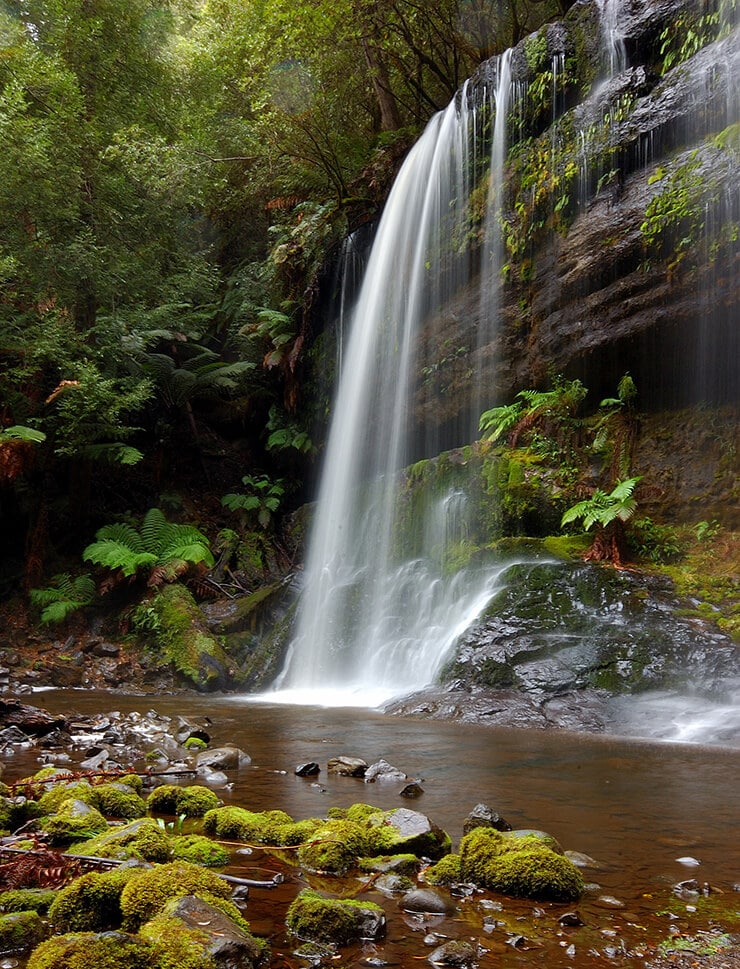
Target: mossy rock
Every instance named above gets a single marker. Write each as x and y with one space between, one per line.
74 821
313 918
409 832
199 850
298 832
55 795
445 872
117 800
535 873
16 811
92 902
263 827
145 895
20 930
355 812
191 933
185 644
142 839
534 837
89 950
193 801
27 900
338 845
524 867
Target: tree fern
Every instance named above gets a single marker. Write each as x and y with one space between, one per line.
161 547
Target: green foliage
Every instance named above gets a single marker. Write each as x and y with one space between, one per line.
261 500
653 542
20 433
692 30
162 549
66 595
614 428
548 409
602 508
707 531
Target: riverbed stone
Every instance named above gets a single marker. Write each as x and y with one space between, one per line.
413 833
313 918
483 816
382 771
426 901
222 758
347 766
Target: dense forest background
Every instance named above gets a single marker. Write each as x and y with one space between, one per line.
175 177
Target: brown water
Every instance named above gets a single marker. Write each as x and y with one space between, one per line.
635 807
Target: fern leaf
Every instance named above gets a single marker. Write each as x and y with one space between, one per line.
116 555
123 534
20 432
192 553
58 611
153 530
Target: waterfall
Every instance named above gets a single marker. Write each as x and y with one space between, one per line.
375 621
611 14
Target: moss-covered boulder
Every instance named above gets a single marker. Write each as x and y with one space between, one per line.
193 801
74 821
185 642
313 918
16 811
27 900
89 950
410 832
195 934
142 839
91 903
147 893
199 850
20 930
263 827
524 867
337 846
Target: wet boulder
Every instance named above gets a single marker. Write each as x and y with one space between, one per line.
426 901
313 918
384 772
411 832
222 758
191 924
347 766
483 816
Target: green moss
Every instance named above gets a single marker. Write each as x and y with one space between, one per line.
20 930
69 825
567 546
524 867
476 850
15 813
111 950
118 801
91 903
297 832
261 827
445 872
338 845
27 900
535 873
314 918
54 796
200 851
184 644
175 946
146 894
142 839
195 743
193 801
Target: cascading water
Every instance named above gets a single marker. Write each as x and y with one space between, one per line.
373 621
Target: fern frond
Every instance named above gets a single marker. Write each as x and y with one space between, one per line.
116 555
122 533
114 453
193 553
19 432
153 530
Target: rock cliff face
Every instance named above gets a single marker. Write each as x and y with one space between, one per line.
620 217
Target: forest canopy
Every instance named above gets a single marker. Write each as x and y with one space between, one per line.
173 178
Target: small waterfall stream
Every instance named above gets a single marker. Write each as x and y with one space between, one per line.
374 623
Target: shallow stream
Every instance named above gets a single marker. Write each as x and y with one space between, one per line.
633 806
